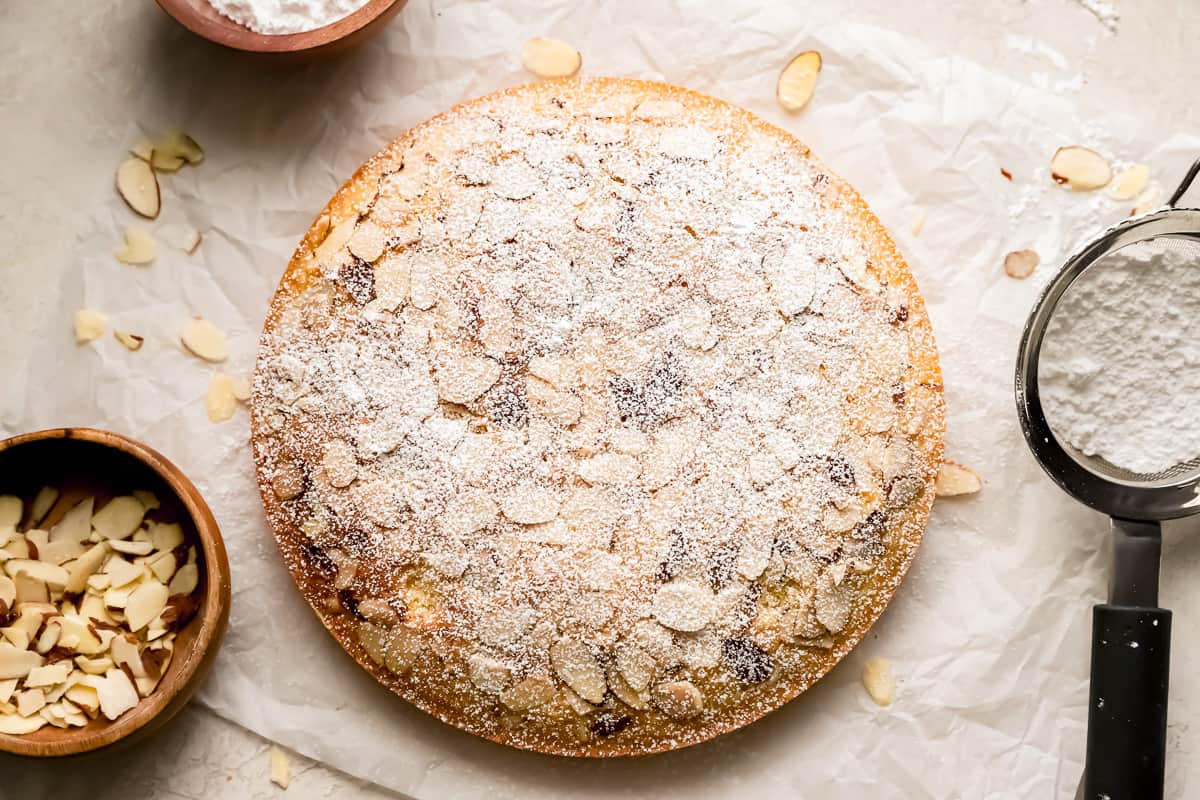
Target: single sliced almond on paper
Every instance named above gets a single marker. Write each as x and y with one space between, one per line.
281 768
880 681
205 340
241 389
221 401
138 187
918 223
139 248
130 341
954 479
182 237
1080 168
1131 182
164 161
550 58
89 325
797 81
1021 263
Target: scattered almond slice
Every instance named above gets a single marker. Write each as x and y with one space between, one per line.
954 479
164 161
1150 200
182 237
130 341
918 223
798 80
550 58
205 340
143 149
177 145
1021 263
1080 168
281 769
138 187
241 389
139 248
89 325
1131 182
222 400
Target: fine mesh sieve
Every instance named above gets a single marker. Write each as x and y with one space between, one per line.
1131 635
1184 249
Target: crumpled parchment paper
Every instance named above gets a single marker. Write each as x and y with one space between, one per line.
989 635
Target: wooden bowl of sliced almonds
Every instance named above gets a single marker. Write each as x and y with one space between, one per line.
114 591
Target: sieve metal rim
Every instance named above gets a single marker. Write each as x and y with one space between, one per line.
1164 499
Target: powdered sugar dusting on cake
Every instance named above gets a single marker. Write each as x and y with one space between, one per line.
603 407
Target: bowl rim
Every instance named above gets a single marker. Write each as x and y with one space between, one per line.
242 38
166 701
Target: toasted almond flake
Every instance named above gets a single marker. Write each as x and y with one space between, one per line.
679 700
139 248
138 187
1080 168
1131 182
879 680
530 504
130 341
205 340
576 666
41 506
185 580
532 692
146 602
1020 263
221 402
116 693
341 466
798 80
954 479
119 517
683 605
550 58
89 325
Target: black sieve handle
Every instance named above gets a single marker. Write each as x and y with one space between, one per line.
1127 715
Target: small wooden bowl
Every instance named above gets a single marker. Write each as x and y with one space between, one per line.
201 18
84 461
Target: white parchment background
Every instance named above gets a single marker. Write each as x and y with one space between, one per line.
989 634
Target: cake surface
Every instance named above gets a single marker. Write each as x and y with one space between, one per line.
596 417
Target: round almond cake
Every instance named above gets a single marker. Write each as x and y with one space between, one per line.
596 417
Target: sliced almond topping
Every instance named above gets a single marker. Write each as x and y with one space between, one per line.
679 700
550 58
1080 168
130 341
577 667
609 469
281 768
462 380
530 504
879 681
139 248
683 605
341 466
488 674
138 187
220 403
532 692
954 479
1021 263
146 602
798 80
17 662
1130 182
205 340
89 325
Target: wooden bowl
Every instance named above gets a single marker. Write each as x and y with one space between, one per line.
82 461
201 18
